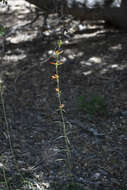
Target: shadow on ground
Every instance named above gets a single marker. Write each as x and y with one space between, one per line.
94 66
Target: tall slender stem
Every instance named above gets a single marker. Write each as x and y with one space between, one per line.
68 152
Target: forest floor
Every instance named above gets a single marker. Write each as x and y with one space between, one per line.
93 82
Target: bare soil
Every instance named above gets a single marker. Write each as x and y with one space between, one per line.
95 65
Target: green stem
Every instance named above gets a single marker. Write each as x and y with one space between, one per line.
68 153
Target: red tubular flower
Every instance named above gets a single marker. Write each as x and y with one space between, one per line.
57 90
60 63
61 106
53 63
58 52
55 76
56 63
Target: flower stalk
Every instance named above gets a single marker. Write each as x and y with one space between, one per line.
61 106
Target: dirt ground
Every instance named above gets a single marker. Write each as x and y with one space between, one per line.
94 71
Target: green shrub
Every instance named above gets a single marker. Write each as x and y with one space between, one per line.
94 104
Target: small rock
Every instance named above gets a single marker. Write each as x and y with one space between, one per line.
123 113
96 176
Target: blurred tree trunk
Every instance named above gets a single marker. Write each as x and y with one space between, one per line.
113 11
